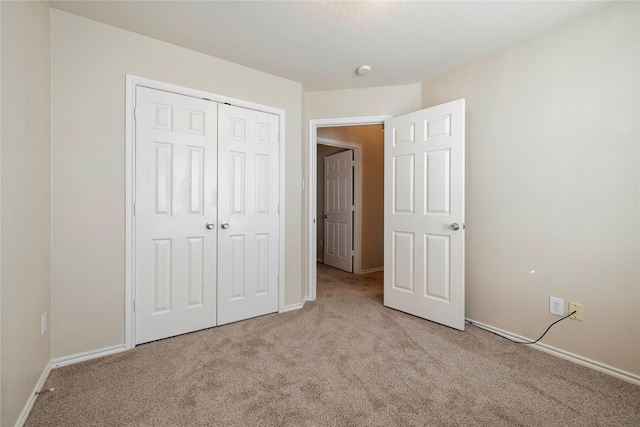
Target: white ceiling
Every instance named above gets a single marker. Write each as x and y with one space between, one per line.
321 43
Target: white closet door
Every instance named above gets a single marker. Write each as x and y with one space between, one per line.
175 198
248 239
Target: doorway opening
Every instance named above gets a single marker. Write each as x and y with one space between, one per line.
368 223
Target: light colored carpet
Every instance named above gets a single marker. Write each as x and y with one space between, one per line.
343 360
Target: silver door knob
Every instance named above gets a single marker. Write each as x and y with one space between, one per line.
455 226
210 226
224 225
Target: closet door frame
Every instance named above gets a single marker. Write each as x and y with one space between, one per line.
131 83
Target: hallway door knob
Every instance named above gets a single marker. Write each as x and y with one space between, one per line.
224 225
455 226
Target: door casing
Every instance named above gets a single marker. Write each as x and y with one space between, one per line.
132 82
312 178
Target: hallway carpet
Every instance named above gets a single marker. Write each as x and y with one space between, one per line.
343 360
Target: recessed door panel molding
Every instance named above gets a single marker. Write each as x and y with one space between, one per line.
238 263
425 276
438 127
403 257
262 266
162 257
262 184
438 263
403 177
331 202
437 186
195 176
331 239
163 117
163 178
237 182
237 129
343 239
262 133
404 134
338 218
195 122
344 200
175 189
195 271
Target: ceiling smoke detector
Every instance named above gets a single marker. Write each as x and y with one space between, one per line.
363 70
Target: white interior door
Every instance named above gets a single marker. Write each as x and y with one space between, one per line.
175 197
338 206
424 213
248 210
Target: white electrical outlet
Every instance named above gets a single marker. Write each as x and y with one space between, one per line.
43 323
556 306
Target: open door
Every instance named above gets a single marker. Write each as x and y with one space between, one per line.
338 207
424 213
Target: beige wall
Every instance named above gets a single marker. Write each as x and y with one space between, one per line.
26 208
552 184
371 139
372 101
89 63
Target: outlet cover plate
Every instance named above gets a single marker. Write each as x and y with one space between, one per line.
556 306
574 306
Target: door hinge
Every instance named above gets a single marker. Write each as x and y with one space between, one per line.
134 209
134 305
353 208
135 113
278 208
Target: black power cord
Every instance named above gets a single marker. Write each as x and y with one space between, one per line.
523 342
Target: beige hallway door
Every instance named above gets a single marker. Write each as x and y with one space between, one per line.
338 206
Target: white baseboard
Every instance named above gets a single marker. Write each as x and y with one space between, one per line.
293 307
600 367
57 363
371 270
82 357
32 400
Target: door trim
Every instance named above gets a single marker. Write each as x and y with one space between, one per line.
312 175
132 82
